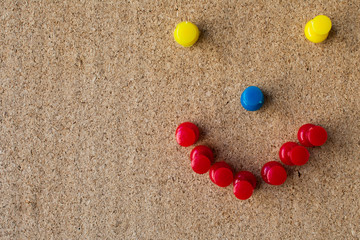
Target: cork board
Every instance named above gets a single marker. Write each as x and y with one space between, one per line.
92 92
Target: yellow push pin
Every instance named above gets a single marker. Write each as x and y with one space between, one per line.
186 34
317 29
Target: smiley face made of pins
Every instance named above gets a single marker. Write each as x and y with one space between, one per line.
252 99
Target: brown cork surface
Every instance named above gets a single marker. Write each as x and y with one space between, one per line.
91 94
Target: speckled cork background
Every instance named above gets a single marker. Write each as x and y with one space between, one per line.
91 94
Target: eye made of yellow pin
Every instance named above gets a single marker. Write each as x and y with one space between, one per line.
186 34
317 29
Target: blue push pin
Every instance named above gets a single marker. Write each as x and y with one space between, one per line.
252 98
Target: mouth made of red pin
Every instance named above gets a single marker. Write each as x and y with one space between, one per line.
244 182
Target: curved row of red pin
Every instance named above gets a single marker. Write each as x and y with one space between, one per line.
244 182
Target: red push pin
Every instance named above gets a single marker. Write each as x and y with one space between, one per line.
292 153
244 185
187 134
273 173
201 158
221 174
310 135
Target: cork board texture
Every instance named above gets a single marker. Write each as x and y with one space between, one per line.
92 92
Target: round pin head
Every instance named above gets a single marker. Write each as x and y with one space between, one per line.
201 164
299 155
187 134
223 177
244 184
317 135
185 137
276 175
221 174
243 190
273 173
252 98
186 34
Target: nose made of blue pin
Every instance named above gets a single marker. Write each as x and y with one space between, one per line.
252 98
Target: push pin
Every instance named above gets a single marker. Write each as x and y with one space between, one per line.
186 34
221 174
201 158
244 185
317 29
252 98
310 135
292 153
273 173
187 134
